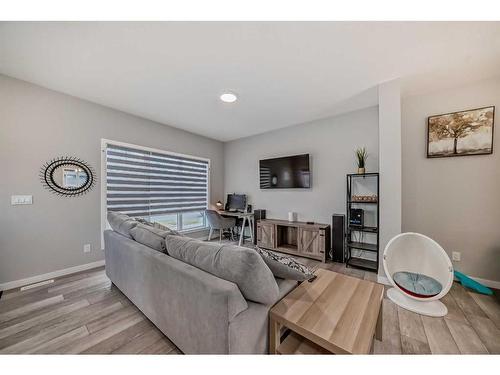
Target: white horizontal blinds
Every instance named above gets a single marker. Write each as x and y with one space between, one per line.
146 183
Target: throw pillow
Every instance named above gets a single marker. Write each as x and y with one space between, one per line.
285 267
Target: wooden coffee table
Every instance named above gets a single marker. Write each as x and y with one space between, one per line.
335 313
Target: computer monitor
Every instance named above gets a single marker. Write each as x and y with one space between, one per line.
236 202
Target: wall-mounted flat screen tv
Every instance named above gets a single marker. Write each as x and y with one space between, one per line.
290 172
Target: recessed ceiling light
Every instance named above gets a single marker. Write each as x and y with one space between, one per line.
228 97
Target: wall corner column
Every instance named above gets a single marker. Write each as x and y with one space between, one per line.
389 118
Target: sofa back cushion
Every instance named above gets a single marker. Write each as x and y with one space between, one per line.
150 236
121 223
240 265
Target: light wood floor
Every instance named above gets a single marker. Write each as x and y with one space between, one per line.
85 313
472 325
81 313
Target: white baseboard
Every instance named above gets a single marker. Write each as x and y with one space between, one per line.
383 280
35 279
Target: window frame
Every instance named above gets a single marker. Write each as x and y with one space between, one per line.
104 221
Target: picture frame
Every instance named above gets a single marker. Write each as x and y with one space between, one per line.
462 133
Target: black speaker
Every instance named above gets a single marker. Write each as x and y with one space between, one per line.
258 215
337 253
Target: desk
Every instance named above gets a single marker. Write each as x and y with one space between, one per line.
246 216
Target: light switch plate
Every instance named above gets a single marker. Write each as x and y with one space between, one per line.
21 199
86 248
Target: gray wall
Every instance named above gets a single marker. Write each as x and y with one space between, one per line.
456 201
331 143
38 124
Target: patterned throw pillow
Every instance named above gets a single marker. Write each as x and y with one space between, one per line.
285 267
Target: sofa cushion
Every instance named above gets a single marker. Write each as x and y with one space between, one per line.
121 223
157 225
141 220
164 227
285 267
150 236
240 265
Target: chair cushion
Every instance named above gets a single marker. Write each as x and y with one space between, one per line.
237 264
417 284
285 267
121 223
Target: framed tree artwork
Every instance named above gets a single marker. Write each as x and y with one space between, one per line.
461 133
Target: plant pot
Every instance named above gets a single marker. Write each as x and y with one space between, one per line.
361 170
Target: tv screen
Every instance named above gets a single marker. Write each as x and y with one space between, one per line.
291 172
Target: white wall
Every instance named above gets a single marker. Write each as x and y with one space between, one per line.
389 123
331 144
454 200
39 124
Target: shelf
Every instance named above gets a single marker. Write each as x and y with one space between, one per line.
363 229
287 247
363 246
296 344
372 174
355 233
366 264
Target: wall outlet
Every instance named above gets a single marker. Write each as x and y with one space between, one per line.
21 199
86 248
455 256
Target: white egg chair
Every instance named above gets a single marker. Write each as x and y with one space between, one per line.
420 272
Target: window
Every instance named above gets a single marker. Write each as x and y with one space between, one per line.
159 186
73 178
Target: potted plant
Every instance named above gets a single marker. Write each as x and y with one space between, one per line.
361 156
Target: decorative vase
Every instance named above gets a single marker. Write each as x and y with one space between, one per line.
361 170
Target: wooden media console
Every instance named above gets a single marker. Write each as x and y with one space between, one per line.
294 238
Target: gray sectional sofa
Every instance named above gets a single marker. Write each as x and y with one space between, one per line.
205 297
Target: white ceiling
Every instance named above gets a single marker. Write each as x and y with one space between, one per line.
285 73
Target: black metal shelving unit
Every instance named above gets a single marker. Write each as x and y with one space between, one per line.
354 231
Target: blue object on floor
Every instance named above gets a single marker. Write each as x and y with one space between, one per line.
472 284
